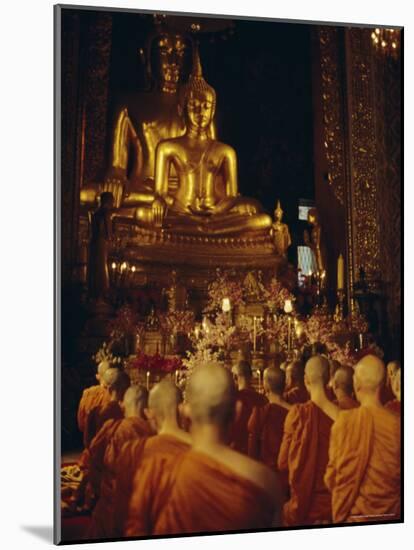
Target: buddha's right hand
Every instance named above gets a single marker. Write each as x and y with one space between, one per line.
158 210
115 186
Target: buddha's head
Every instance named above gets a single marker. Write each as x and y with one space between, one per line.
278 212
198 99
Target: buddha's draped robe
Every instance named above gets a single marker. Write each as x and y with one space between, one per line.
104 450
207 496
297 394
346 402
304 454
246 400
141 503
394 406
363 473
95 396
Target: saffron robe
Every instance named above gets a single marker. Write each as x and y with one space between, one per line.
247 399
206 496
363 473
97 418
346 403
95 396
104 451
304 454
394 406
143 501
297 394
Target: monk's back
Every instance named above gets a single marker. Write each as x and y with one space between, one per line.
209 496
247 400
380 489
267 422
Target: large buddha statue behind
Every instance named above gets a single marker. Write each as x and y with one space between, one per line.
207 200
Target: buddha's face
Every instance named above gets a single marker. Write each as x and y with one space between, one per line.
171 49
200 108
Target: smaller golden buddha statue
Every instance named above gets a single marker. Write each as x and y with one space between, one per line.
280 232
152 322
314 241
100 237
207 200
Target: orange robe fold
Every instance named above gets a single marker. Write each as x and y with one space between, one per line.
394 406
95 396
104 450
363 473
97 418
247 400
304 454
206 496
295 395
346 403
141 502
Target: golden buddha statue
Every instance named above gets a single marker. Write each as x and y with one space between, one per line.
140 121
207 200
314 241
280 232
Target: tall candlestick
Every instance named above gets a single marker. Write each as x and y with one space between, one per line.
340 272
289 331
148 379
176 377
254 333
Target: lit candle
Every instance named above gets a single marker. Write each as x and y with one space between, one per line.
148 379
113 265
197 332
254 333
288 307
289 331
341 268
226 305
361 340
259 376
176 377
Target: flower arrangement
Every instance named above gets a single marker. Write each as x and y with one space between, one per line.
319 328
224 287
177 322
358 322
124 323
277 294
155 363
104 353
277 330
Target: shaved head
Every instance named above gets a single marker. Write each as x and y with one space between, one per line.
116 380
334 365
164 399
369 374
344 380
211 395
396 384
393 367
135 400
102 368
243 369
317 371
274 380
295 373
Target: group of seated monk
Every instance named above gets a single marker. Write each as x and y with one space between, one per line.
317 447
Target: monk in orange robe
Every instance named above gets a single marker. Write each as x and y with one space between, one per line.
104 450
116 382
142 482
334 365
387 393
266 423
304 450
343 387
296 391
94 396
395 405
213 488
363 473
247 399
